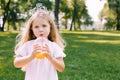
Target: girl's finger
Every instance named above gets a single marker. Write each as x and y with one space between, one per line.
46 52
46 46
46 49
35 45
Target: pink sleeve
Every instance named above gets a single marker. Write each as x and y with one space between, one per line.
22 51
58 52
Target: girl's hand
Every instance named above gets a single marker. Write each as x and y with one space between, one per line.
36 48
46 50
40 52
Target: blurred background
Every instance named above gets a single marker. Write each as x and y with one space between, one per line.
69 14
91 29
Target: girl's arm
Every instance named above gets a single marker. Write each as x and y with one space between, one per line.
58 63
20 61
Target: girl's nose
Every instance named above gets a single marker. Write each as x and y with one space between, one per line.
40 29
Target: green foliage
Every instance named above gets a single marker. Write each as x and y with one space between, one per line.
111 24
18 12
75 10
80 14
15 12
106 11
112 11
90 56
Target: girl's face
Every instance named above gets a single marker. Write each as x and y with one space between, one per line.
41 27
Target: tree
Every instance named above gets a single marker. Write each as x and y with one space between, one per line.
13 11
115 6
79 11
112 11
65 8
5 12
56 12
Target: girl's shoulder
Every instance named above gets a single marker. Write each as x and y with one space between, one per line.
55 45
29 42
52 43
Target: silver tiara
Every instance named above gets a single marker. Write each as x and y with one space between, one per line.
39 7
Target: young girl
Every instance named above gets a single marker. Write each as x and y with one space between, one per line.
40 25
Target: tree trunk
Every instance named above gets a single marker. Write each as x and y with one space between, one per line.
14 26
66 23
73 16
117 18
5 15
4 20
71 24
117 23
56 12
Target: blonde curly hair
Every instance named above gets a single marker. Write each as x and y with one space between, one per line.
27 34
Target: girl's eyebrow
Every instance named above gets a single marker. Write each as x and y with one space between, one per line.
43 24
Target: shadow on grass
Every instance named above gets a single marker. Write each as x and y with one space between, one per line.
90 56
8 71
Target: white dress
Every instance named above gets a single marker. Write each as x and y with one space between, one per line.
40 69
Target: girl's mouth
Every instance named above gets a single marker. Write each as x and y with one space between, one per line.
41 35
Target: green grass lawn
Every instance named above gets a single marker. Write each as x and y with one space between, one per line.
90 56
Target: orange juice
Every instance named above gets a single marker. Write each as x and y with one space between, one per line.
40 42
40 55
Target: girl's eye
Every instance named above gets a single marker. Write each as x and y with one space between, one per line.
44 25
36 26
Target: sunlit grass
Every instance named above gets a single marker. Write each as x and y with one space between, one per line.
91 55
104 33
100 41
101 33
